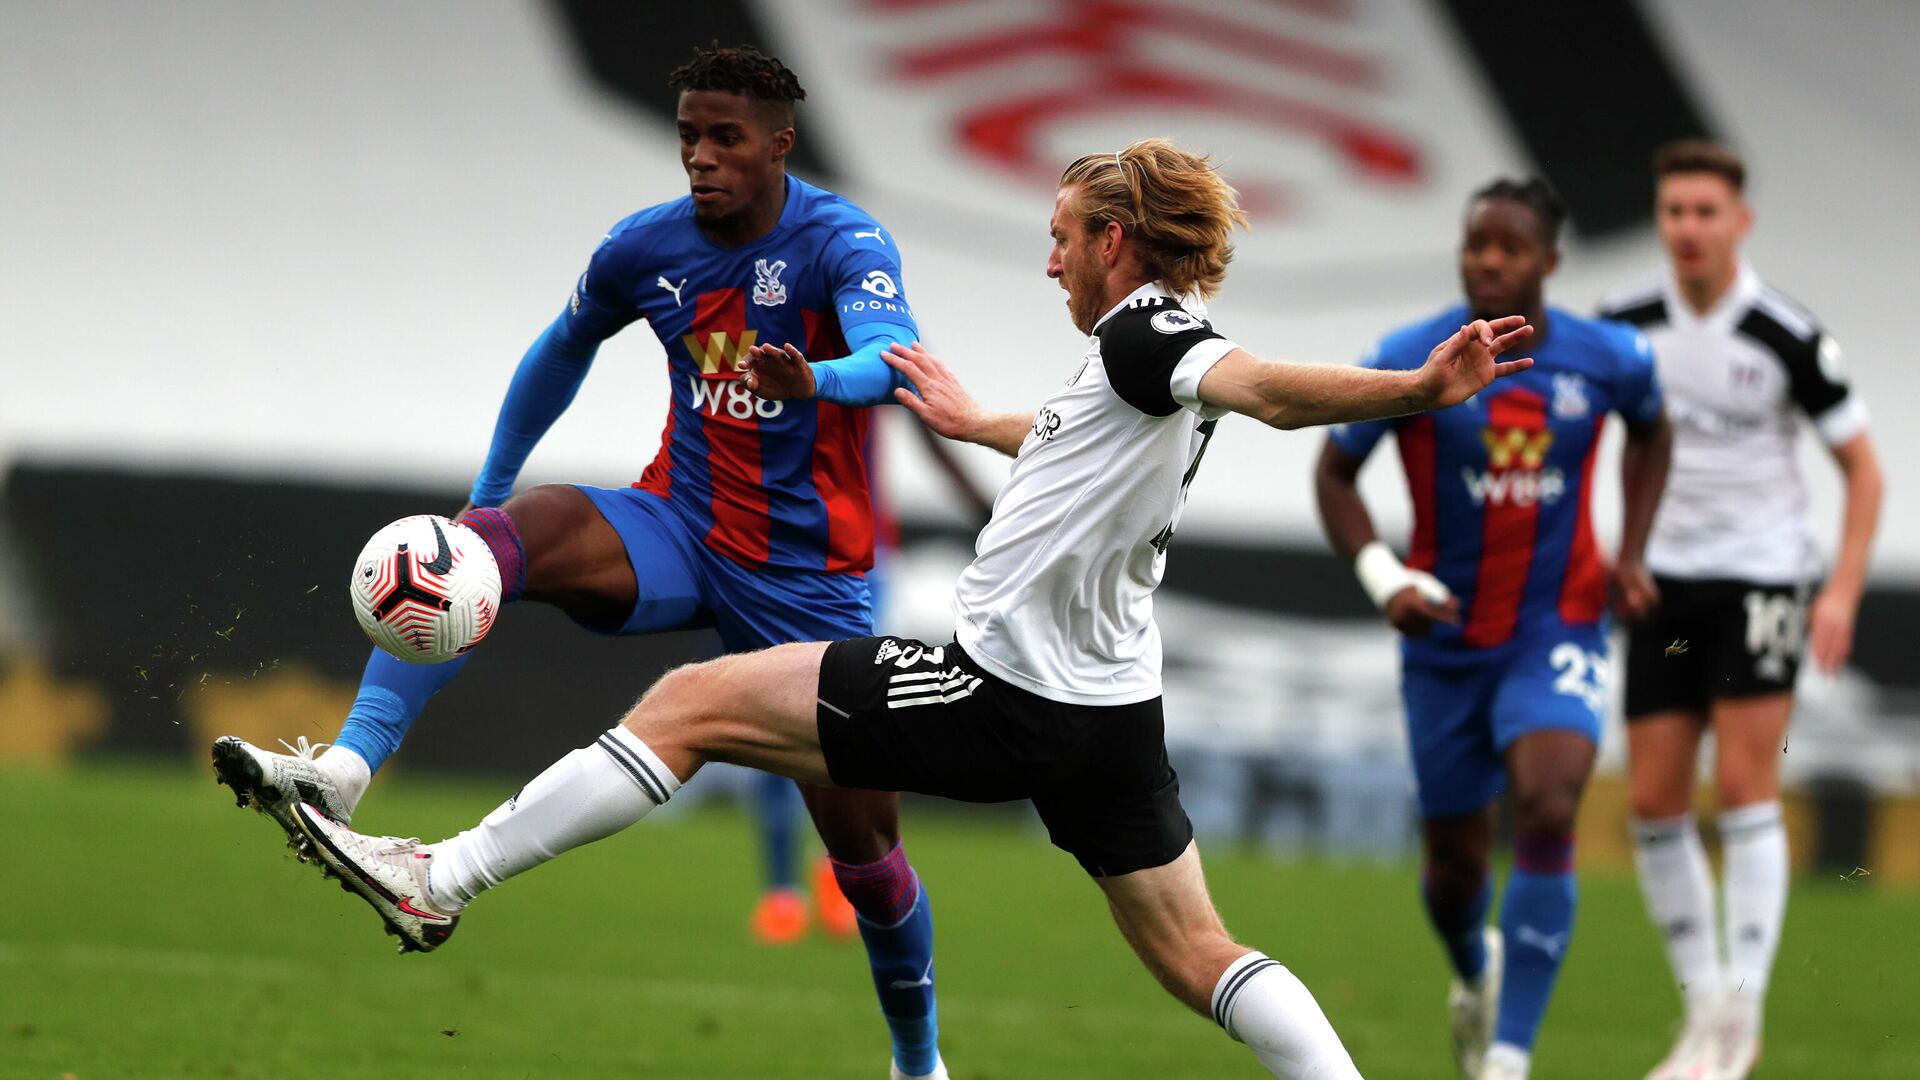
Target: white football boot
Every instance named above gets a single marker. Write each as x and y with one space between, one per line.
1736 1038
1506 1063
1692 1056
939 1072
275 783
1473 1007
388 872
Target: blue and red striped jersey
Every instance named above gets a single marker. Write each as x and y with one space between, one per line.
1501 483
765 483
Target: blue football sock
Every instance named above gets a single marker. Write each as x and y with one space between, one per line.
1460 925
1536 916
902 959
392 693
776 803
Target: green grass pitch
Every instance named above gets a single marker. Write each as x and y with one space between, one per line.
149 928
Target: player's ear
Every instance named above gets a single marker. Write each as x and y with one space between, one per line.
1552 262
1110 238
782 143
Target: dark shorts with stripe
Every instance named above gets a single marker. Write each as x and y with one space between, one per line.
1712 639
900 715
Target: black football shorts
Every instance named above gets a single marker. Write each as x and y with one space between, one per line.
900 715
1713 639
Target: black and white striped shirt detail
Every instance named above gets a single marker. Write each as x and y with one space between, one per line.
1230 987
641 773
909 688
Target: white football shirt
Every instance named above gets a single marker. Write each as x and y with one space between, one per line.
1059 597
1738 379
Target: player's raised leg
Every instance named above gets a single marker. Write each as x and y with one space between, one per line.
1167 917
551 545
755 709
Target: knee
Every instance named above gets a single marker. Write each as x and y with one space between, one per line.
1546 811
680 702
1455 863
1653 802
1740 783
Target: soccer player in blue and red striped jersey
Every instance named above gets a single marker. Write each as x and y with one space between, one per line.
754 518
1502 605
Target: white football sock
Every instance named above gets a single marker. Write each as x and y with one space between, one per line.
1677 883
1262 1004
591 793
349 772
1755 842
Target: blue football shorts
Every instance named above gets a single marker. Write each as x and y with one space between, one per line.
1462 717
683 584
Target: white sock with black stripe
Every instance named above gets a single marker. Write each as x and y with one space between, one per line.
591 793
1259 1002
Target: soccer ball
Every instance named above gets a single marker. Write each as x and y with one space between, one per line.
425 589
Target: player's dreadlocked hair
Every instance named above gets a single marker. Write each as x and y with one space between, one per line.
1535 194
1177 209
739 69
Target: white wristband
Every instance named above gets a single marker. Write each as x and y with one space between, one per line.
1382 575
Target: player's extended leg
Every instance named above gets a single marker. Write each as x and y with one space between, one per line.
1748 734
1167 917
1547 770
551 545
755 709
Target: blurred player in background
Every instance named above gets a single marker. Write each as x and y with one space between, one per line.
1734 559
1051 688
755 518
1502 607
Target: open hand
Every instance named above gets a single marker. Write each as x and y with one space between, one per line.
1464 364
942 403
1830 630
777 373
1634 592
1414 614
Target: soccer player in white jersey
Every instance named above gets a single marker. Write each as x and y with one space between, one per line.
1734 558
1051 689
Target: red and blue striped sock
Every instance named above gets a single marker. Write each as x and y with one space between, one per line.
897 927
1536 917
503 539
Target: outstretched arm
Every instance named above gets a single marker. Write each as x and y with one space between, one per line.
941 403
860 378
544 385
1291 396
